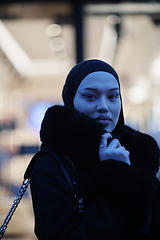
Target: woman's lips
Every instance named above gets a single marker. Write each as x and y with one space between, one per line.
103 120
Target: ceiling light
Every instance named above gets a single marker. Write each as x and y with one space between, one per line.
53 30
13 51
113 19
123 8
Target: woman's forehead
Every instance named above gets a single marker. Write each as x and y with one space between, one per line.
99 79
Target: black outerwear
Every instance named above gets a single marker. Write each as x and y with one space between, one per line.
118 198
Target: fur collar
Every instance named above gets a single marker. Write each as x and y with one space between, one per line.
72 133
78 136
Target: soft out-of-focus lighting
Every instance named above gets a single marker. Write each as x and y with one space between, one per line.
139 93
156 113
26 66
57 44
108 43
60 55
128 8
36 114
13 51
155 70
53 30
113 19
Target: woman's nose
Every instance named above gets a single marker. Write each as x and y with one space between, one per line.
102 105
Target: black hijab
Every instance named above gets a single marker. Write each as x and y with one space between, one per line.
76 76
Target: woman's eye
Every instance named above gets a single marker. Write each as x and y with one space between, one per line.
89 97
113 97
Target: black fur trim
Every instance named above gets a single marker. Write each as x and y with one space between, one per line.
72 133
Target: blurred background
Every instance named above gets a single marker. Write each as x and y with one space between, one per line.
39 43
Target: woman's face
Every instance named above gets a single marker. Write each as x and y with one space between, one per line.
98 96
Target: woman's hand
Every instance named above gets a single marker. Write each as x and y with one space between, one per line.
113 151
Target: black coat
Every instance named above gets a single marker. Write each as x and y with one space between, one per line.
119 199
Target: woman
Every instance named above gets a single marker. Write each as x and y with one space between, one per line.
114 166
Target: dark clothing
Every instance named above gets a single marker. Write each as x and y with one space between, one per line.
119 199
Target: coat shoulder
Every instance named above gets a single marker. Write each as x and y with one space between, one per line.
143 149
143 138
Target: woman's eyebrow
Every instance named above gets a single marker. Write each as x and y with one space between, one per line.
113 89
91 89
96 90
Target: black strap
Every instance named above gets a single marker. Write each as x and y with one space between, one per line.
66 167
68 171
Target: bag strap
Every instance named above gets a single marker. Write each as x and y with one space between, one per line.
16 201
73 181
68 171
71 176
65 165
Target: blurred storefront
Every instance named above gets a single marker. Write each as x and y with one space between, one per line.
39 43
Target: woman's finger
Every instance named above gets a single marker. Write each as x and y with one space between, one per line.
114 144
103 142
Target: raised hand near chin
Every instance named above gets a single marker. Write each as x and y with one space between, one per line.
112 151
